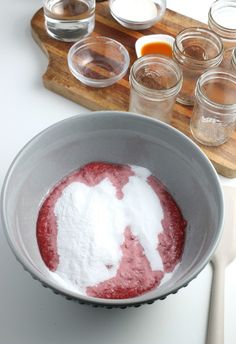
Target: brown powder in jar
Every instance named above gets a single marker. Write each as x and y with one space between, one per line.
196 52
150 78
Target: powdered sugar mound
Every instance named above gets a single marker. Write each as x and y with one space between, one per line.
134 10
144 214
140 171
91 222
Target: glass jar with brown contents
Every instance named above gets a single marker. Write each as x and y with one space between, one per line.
155 81
195 50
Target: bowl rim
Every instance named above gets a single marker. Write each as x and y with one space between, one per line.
122 303
101 40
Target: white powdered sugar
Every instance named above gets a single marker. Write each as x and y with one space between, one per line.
226 17
91 222
134 10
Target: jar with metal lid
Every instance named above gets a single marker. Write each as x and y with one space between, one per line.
195 50
214 113
155 81
222 20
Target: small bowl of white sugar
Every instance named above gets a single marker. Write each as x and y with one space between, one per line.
137 14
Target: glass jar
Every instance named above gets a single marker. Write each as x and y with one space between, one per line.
233 61
195 50
214 114
222 20
227 59
69 20
155 81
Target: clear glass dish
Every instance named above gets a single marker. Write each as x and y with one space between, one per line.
122 14
98 61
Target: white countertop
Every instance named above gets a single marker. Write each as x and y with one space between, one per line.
32 314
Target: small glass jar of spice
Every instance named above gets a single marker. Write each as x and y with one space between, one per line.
155 81
195 50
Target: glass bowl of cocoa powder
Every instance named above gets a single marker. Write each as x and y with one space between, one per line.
98 61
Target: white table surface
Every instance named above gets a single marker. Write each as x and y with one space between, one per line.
32 314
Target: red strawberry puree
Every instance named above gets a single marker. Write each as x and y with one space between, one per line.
134 276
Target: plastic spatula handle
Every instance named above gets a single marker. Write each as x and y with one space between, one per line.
224 254
215 333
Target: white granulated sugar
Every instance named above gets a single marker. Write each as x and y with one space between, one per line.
226 17
134 10
91 222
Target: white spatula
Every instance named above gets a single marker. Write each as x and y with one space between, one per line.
224 255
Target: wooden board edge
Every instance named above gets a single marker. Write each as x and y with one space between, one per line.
224 171
35 34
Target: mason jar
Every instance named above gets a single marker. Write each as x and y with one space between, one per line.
233 61
227 62
214 113
155 81
222 20
195 50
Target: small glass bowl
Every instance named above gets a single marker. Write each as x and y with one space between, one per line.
98 61
141 24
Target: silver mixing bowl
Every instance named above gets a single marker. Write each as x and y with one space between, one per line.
121 138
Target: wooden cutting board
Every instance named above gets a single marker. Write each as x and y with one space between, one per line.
57 78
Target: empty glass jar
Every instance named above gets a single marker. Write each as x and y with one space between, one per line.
195 50
214 114
155 81
222 20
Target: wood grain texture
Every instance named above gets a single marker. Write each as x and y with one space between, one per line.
58 78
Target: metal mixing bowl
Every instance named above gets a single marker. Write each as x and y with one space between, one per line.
121 138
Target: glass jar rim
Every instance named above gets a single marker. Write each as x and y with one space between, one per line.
221 28
164 93
234 57
205 77
190 60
